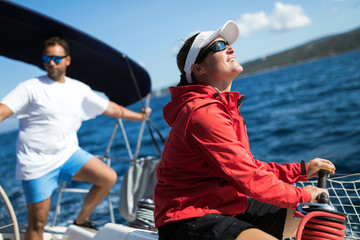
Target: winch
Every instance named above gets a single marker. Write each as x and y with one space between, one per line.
321 220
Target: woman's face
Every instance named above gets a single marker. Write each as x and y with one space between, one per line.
221 65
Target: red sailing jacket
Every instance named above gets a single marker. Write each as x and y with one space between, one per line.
207 166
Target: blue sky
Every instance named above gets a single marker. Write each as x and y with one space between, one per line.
150 32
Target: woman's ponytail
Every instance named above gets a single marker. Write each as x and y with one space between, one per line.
183 80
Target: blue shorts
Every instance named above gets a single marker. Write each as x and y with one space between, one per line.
40 189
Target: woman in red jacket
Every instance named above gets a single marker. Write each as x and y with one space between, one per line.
209 184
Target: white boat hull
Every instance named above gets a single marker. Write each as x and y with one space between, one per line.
109 231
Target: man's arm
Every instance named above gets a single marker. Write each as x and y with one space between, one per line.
118 111
5 112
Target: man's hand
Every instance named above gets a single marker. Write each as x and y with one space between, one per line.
146 112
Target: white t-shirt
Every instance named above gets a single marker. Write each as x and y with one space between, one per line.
50 115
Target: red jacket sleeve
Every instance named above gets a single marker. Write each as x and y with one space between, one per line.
287 172
211 130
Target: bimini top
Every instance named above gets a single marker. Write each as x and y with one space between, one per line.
93 62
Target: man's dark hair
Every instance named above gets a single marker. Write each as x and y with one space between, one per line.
57 40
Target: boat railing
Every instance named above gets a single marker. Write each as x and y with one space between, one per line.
14 223
107 159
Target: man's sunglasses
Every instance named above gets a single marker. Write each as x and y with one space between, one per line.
56 59
215 47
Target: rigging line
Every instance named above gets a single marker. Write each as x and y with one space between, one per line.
149 122
157 130
134 80
154 141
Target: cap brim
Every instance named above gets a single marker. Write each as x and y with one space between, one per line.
229 32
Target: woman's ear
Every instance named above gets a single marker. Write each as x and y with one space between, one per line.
197 69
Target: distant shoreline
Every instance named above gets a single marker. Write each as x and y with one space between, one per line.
316 49
274 68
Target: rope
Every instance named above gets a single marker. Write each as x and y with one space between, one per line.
148 120
144 216
320 225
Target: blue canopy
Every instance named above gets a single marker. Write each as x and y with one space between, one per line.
93 62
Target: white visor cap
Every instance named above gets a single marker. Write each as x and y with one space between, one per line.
229 32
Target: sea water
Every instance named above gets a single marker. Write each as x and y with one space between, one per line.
294 113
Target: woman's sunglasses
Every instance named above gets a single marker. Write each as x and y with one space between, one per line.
56 59
215 47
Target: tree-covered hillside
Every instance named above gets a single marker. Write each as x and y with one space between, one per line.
323 47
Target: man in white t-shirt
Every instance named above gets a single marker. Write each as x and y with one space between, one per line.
50 110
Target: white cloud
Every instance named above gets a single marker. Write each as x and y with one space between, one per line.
287 17
251 22
175 49
142 64
284 17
